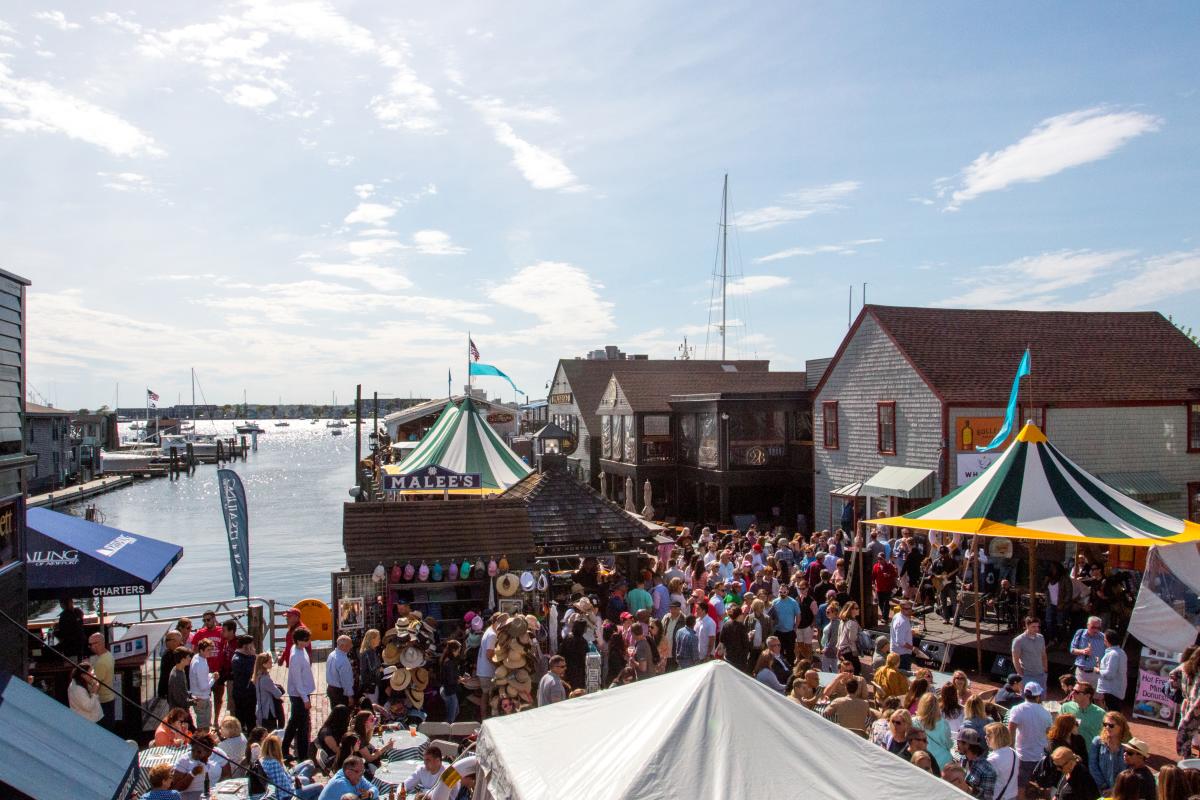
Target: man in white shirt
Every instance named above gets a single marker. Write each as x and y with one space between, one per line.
900 637
1028 724
706 632
485 670
339 674
426 776
300 687
200 683
191 768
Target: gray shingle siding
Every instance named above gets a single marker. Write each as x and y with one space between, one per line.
872 370
1128 439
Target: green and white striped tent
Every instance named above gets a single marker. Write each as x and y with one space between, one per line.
462 441
1033 491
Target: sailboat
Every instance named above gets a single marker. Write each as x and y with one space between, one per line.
338 423
202 444
283 423
249 426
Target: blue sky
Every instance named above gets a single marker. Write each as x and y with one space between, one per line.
297 197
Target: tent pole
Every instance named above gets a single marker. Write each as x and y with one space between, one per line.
978 599
1033 578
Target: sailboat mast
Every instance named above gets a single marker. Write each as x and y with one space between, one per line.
193 397
724 255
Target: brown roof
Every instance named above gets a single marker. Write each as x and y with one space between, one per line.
970 356
652 391
589 377
569 518
33 409
435 530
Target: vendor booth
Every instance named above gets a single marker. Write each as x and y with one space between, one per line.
70 557
676 735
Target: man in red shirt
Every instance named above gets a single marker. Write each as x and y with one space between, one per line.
293 621
225 647
210 630
884 578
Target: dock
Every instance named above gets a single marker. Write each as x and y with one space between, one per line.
73 494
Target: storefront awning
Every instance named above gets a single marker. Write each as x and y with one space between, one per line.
849 490
50 751
67 556
1148 486
909 483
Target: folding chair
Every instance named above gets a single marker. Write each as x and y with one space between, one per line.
461 730
449 749
432 729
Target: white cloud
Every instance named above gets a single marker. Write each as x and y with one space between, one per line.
798 205
57 19
564 298
385 279
1048 280
370 214
37 106
115 20
409 104
843 249
364 190
436 243
752 284
367 248
1055 144
541 168
340 160
1149 281
126 181
249 96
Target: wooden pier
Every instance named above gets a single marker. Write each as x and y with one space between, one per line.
73 494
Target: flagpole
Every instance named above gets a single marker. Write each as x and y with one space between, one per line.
468 363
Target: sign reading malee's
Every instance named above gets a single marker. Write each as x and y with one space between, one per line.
432 479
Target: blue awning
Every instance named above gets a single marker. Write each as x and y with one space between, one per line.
67 556
50 748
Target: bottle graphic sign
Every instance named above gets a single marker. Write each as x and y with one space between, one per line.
968 435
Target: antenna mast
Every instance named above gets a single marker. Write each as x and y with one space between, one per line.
724 255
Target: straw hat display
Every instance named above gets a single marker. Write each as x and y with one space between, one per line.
507 584
515 667
407 649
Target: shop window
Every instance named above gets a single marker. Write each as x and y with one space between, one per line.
1193 428
829 418
801 427
689 440
757 439
709 450
606 436
630 438
656 440
618 438
885 427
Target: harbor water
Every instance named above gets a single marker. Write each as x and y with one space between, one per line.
295 486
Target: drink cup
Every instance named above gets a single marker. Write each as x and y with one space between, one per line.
412 730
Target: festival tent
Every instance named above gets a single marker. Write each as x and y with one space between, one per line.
462 441
1167 613
708 731
1033 491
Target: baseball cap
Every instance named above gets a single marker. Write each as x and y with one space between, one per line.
291 611
968 736
626 615
1034 689
676 604
1012 678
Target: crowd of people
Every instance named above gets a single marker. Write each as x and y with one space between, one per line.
783 609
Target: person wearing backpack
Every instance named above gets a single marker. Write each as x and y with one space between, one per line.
804 624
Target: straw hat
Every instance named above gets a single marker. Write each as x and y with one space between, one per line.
515 659
507 584
412 657
391 653
417 698
521 680
584 606
420 679
527 581
501 672
517 626
400 680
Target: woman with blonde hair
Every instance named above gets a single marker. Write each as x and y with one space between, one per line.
847 641
975 716
1106 759
829 638
1002 758
937 731
370 665
889 677
962 685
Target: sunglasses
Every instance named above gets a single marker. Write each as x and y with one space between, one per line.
1110 724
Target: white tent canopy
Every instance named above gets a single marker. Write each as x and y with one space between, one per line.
709 731
1168 603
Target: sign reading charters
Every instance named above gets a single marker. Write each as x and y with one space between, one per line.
432 479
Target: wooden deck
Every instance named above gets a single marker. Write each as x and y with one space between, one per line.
73 494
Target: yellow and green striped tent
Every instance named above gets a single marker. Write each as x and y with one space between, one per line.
1033 491
461 440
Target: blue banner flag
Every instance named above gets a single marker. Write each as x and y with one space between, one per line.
488 369
1010 416
237 525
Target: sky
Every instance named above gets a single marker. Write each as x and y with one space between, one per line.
297 197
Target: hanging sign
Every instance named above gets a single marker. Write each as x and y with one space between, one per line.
972 431
972 465
432 479
1152 698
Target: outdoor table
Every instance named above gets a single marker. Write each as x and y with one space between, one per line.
152 756
408 747
239 789
394 773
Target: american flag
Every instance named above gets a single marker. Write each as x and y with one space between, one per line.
150 395
474 350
